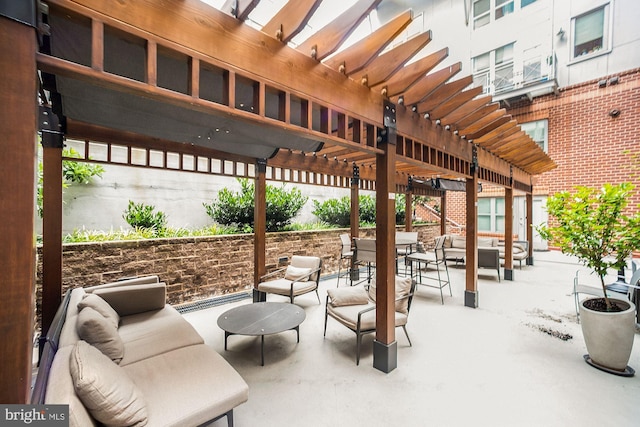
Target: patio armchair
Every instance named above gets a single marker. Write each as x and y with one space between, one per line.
355 308
301 276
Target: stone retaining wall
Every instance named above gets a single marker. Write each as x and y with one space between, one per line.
196 268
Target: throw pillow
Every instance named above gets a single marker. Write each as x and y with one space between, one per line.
105 389
98 331
355 295
101 306
403 287
297 273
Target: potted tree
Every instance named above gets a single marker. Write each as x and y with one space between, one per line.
591 224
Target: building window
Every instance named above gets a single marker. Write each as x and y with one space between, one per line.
524 3
538 131
481 14
494 70
503 7
491 214
590 32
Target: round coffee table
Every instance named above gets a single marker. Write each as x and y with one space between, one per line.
260 319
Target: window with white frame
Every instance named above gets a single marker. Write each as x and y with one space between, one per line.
485 11
481 13
494 70
538 131
591 32
503 7
491 214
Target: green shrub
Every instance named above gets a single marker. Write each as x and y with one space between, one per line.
72 173
236 209
141 216
338 211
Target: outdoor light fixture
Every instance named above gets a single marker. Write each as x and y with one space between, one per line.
426 116
602 83
614 113
401 100
438 122
447 127
414 108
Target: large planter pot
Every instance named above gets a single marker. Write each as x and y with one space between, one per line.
609 337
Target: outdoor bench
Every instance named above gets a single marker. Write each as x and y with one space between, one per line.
141 363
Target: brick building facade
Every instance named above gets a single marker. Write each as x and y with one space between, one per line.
593 136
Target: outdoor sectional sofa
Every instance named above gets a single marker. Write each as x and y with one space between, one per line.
118 355
455 248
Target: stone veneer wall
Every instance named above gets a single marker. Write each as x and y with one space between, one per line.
196 268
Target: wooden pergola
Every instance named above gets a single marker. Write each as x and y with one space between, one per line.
181 77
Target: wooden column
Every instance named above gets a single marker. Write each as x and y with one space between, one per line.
408 208
385 351
355 203
17 244
529 225
508 233
51 226
471 281
443 213
354 219
260 228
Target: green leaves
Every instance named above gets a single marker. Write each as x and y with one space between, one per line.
236 209
591 224
141 216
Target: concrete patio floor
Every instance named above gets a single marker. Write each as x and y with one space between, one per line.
490 366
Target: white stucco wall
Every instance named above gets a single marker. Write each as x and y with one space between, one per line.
100 205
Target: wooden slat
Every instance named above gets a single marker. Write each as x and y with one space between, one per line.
384 66
409 74
329 38
503 132
423 87
483 121
290 19
358 55
466 109
496 132
474 116
454 102
239 9
489 127
442 93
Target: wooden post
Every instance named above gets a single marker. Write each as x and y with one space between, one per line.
529 225
385 351
260 228
51 226
508 233
443 213
17 244
354 219
471 281
408 208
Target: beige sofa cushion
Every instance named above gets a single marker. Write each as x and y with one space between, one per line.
105 389
133 299
101 306
60 390
188 386
155 332
353 295
459 242
487 242
98 331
